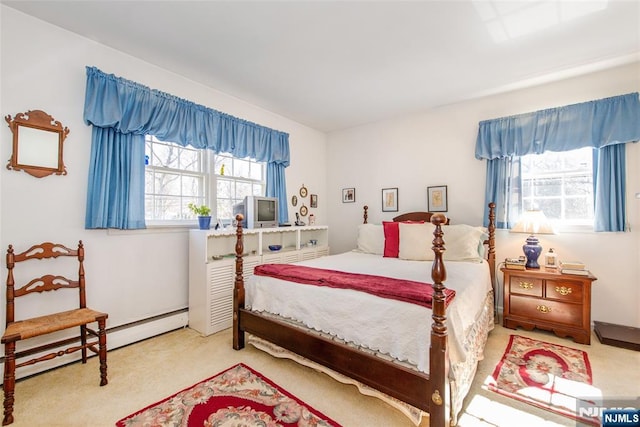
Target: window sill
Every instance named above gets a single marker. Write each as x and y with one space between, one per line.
172 224
567 229
574 229
157 227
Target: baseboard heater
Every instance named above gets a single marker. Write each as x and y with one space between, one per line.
117 336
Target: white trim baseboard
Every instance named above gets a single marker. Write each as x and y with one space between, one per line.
118 336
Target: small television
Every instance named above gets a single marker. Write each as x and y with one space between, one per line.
258 211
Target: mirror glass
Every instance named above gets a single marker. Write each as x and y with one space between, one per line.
37 147
37 144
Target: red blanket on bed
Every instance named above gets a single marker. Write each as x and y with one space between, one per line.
399 289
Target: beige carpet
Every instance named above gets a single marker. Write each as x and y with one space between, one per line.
151 370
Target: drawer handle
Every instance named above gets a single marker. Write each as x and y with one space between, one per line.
543 309
563 290
526 285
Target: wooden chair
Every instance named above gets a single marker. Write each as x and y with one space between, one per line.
17 330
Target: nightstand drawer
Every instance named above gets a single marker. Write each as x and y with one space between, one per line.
548 311
547 299
564 290
525 286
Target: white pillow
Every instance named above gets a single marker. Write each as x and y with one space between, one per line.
416 241
461 242
371 239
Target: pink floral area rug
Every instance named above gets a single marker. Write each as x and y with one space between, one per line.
238 396
549 376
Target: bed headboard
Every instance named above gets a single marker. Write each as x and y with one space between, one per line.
490 242
416 216
410 216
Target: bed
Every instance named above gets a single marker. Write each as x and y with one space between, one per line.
427 372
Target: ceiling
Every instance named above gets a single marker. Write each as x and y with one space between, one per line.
336 64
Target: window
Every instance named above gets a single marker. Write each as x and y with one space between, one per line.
560 184
176 176
235 179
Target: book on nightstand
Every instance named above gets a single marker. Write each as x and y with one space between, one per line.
515 263
572 265
574 271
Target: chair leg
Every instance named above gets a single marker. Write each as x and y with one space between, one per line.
83 341
102 350
9 384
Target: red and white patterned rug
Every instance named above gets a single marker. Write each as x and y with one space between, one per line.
237 396
549 376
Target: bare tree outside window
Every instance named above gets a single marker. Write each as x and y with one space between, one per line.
560 184
176 176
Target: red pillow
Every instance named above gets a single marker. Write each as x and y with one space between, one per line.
392 237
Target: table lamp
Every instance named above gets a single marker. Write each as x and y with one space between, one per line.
532 222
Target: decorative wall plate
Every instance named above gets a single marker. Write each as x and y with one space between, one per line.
303 210
303 191
294 200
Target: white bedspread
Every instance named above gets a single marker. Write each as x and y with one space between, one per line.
399 329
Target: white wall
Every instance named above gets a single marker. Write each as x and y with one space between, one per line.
437 148
131 275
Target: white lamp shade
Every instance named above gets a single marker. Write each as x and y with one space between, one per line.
533 222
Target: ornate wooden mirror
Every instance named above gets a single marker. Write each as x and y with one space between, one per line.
37 144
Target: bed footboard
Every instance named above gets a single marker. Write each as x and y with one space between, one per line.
387 377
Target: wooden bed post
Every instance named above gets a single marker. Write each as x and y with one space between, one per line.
491 258
238 288
438 360
365 215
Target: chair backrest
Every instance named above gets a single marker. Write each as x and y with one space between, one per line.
48 282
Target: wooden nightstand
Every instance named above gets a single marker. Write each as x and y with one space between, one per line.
546 299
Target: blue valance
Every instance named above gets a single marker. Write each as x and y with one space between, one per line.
597 124
129 107
122 112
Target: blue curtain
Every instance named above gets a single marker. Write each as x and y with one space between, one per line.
601 124
129 108
117 169
610 186
504 190
276 182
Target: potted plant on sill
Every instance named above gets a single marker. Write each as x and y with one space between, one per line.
204 215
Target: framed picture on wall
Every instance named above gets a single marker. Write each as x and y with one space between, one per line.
437 198
389 200
348 195
314 200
